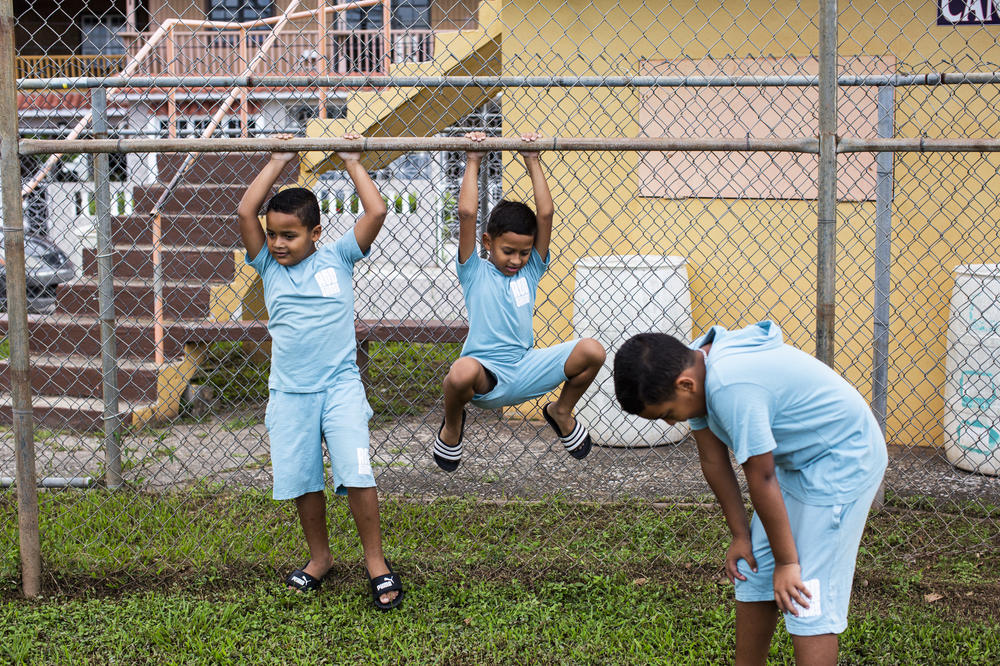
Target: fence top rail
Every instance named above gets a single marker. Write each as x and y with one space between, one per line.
354 81
407 144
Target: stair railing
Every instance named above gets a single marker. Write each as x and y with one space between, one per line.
237 92
129 70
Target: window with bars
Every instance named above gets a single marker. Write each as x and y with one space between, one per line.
239 10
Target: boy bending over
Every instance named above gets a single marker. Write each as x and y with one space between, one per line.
498 365
813 456
315 386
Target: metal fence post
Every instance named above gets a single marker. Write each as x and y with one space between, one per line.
106 295
883 258
883 267
17 313
826 213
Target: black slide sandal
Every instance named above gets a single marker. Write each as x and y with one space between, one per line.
448 457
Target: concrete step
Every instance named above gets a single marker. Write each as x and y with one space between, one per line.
66 412
208 230
82 377
134 298
221 169
74 334
180 263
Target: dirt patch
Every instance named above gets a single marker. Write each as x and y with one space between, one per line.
505 457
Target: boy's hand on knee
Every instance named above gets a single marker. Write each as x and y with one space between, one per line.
739 549
789 588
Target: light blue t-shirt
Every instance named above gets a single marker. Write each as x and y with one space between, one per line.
500 307
310 310
763 395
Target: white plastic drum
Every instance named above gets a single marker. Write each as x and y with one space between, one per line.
617 297
972 386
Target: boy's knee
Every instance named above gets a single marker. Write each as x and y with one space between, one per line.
593 351
462 375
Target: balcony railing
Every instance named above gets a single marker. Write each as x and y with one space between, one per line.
215 52
50 66
218 52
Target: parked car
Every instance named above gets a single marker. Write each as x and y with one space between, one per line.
46 267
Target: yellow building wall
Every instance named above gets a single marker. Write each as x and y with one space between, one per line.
752 258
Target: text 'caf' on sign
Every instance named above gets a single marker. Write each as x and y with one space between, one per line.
968 12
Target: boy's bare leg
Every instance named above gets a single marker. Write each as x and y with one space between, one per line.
466 378
816 650
312 515
364 508
581 368
755 623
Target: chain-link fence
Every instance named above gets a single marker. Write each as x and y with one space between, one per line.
168 402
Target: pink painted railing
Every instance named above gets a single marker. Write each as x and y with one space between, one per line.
219 52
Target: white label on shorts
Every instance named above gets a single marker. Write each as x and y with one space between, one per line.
519 288
814 606
364 462
327 281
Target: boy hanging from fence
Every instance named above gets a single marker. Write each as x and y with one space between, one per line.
813 456
498 365
315 385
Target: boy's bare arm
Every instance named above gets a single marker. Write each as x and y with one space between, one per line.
247 212
368 226
468 200
544 208
765 494
718 471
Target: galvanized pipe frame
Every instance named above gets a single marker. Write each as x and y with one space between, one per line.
106 297
826 198
809 145
552 81
17 315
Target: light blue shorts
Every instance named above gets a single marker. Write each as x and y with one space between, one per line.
296 423
538 372
827 540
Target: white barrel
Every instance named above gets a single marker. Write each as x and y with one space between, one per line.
972 386
617 297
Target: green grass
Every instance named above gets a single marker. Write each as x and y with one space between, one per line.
404 378
192 577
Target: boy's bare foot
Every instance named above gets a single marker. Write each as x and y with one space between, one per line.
563 417
377 568
451 436
574 436
314 572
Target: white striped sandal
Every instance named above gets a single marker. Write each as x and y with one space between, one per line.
577 442
448 457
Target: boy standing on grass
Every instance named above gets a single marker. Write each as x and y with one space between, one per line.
315 386
813 456
498 366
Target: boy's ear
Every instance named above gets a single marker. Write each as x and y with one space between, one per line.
316 232
486 238
685 383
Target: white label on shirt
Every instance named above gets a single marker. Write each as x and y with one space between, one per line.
327 281
519 289
814 607
364 462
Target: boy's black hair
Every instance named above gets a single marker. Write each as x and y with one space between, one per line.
646 370
297 201
512 216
